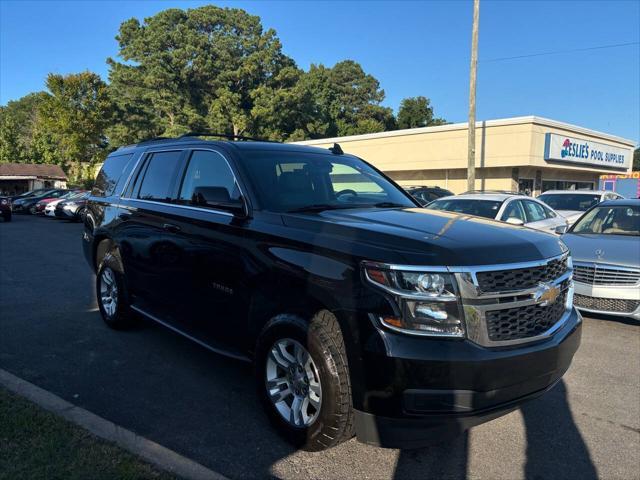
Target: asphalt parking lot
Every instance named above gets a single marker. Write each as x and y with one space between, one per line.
203 406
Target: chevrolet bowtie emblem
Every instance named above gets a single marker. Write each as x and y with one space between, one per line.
546 294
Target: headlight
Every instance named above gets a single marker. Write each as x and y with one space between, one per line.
427 300
3 202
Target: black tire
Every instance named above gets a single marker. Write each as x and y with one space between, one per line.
7 217
118 317
322 338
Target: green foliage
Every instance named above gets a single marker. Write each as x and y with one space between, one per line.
417 112
207 68
636 159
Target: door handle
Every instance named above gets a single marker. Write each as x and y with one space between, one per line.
170 227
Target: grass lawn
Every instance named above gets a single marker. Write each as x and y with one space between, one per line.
35 444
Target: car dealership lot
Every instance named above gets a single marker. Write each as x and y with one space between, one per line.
176 393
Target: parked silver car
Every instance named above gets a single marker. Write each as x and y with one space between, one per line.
571 204
512 208
605 245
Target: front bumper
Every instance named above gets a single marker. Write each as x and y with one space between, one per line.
420 391
63 212
608 300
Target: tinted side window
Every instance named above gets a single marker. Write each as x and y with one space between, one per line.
109 174
159 176
207 172
534 211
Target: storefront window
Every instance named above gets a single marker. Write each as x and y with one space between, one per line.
565 185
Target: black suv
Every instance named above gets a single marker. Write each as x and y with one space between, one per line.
425 195
363 313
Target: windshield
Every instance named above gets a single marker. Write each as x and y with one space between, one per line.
570 201
608 220
292 181
480 208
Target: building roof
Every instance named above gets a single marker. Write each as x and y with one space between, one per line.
38 170
479 124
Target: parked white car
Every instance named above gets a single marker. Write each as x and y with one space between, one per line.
512 208
571 204
50 209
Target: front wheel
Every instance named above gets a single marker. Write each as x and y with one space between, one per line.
303 380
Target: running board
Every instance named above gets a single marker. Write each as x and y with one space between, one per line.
219 351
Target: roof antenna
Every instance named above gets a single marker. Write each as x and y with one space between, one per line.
336 149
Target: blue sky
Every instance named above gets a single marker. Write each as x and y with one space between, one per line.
413 48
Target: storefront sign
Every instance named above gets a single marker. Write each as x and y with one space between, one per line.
575 150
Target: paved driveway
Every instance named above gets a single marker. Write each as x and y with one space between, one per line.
202 405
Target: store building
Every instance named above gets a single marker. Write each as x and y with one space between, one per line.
16 178
517 154
626 185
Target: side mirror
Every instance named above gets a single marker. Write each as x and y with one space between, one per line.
218 197
560 229
514 221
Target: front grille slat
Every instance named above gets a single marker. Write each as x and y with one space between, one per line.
524 322
600 275
616 305
521 278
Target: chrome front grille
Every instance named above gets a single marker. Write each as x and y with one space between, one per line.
521 278
512 304
616 305
594 274
525 322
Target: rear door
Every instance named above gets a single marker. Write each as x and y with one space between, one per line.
540 217
146 231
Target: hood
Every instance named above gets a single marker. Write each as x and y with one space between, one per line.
613 249
432 237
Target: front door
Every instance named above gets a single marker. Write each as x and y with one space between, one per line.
214 241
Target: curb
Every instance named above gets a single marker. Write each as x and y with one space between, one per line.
148 450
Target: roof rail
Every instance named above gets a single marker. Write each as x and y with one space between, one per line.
224 135
505 192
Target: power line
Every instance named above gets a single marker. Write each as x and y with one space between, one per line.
557 52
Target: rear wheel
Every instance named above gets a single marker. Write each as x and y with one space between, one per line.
111 296
303 380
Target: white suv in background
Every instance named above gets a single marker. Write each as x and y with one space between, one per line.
571 204
514 208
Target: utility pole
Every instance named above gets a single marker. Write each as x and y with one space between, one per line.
471 154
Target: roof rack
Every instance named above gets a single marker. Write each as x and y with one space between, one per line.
224 135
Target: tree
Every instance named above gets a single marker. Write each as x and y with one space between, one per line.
11 149
636 159
17 121
194 69
417 112
345 101
71 121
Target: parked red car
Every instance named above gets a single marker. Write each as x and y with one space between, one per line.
38 208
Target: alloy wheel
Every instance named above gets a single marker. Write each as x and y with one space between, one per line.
108 291
293 382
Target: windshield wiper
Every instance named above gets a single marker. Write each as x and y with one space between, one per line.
317 207
388 205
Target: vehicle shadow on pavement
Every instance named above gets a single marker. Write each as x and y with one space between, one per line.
555 447
447 460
